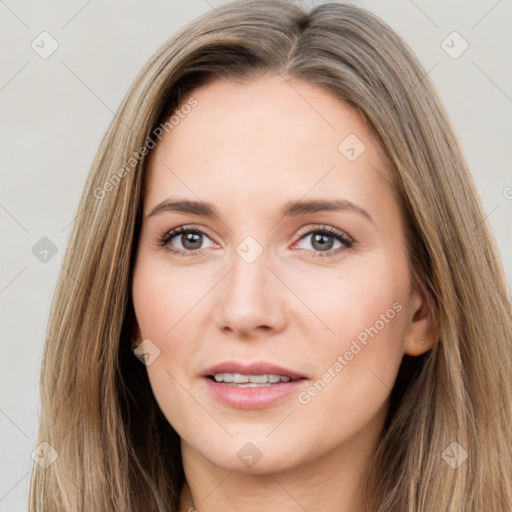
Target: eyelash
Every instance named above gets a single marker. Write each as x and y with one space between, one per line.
326 230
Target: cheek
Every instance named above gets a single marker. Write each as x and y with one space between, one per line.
359 355
163 296
164 305
364 303
361 359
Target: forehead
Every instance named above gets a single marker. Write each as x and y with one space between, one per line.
269 137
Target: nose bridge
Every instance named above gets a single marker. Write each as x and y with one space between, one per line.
250 297
249 275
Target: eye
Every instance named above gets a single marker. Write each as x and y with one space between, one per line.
184 240
327 241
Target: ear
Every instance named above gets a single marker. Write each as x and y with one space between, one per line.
136 337
422 331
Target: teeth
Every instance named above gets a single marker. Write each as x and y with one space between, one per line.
249 381
258 379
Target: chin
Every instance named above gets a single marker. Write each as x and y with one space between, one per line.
252 455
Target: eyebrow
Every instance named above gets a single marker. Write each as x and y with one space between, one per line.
290 209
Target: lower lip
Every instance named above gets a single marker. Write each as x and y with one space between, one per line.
253 398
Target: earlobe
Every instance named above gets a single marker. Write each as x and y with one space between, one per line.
417 347
422 332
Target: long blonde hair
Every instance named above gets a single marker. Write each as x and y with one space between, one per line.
116 450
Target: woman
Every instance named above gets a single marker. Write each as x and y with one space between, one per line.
280 224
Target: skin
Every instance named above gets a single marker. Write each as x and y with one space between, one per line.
248 149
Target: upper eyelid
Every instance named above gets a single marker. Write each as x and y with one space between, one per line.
171 233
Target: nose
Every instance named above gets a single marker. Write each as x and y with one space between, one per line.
251 298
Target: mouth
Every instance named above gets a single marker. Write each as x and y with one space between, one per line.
260 372
252 386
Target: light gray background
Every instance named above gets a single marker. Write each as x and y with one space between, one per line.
55 111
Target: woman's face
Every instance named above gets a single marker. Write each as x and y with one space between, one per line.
291 265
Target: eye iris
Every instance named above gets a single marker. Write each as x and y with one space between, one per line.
195 240
325 241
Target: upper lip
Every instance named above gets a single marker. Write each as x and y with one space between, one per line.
255 368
